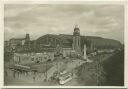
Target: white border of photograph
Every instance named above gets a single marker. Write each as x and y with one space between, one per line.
123 2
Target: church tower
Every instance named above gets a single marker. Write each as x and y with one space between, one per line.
27 39
76 39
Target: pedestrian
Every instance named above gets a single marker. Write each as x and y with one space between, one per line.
34 78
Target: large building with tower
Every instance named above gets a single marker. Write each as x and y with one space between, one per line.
75 42
63 44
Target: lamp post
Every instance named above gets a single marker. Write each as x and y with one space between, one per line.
46 70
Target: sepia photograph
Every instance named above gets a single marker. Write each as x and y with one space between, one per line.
64 44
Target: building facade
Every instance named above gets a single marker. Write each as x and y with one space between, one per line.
28 58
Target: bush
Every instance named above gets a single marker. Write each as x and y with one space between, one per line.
114 69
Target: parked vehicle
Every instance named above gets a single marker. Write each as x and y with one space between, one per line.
65 78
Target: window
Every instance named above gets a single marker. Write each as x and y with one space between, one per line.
32 59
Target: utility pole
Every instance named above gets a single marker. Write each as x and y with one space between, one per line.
46 56
99 70
58 52
46 70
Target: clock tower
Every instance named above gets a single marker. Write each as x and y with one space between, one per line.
76 39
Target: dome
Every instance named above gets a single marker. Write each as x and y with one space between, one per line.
76 31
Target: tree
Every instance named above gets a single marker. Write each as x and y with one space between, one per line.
114 69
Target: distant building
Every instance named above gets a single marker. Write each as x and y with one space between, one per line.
6 43
6 46
28 58
16 43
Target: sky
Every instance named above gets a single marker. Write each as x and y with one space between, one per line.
105 21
